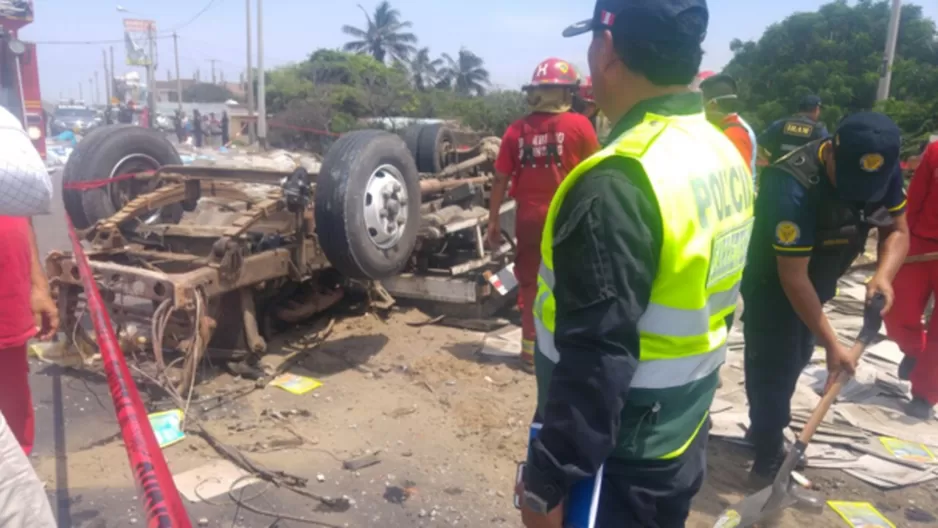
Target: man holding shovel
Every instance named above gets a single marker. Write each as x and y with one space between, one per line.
813 214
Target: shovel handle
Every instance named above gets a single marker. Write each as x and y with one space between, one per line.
872 320
826 401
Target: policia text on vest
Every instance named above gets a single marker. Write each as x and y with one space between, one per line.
706 210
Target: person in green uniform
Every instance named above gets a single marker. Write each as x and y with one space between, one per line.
642 256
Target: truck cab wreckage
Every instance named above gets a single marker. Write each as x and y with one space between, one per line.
213 261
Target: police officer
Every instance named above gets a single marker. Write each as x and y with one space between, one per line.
814 212
642 254
786 135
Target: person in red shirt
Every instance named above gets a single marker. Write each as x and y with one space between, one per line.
26 309
536 154
914 285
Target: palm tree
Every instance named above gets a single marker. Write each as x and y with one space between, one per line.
466 74
384 36
424 70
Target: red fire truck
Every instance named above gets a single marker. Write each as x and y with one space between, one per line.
19 71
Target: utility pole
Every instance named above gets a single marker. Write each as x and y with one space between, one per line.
250 78
261 87
110 82
81 94
91 95
885 75
178 78
213 61
107 80
151 78
97 88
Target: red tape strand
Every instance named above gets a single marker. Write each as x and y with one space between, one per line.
164 508
95 184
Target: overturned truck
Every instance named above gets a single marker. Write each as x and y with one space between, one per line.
197 261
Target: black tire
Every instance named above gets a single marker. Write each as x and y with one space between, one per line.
411 138
76 171
341 194
112 147
430 144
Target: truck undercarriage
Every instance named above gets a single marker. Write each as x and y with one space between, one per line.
200 261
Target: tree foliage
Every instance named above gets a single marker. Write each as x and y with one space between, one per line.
334 91
466 74
424 70
836 53
384 35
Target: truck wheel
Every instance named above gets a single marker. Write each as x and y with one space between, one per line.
74 172
434 147
411 138
368 205
124 150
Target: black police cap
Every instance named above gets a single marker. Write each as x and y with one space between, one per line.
866 156
645 20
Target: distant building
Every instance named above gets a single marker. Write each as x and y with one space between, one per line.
166 91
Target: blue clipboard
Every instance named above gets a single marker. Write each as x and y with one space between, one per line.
582 503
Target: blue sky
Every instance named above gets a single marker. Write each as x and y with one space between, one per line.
511 35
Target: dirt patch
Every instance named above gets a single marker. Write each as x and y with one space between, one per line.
448 425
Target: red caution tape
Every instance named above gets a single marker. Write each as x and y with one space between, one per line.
161 500
95 184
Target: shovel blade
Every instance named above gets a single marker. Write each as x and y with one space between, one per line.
753 509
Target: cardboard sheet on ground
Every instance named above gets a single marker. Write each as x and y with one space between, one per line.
296 384
729 425
860 514
886 350
884 417
211 480
505 342
824 456
167 427
887 475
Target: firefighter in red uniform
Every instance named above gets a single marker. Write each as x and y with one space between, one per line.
536 154
913 286
585 102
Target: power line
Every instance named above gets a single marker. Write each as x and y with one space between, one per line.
196 17
90 42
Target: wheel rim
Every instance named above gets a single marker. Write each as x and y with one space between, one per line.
125 191
385 206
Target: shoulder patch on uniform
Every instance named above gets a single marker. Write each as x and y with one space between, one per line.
798 129
787 233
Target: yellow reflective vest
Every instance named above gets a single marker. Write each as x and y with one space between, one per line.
705 197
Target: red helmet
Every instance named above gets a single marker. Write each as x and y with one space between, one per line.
554 72
701 77
586 90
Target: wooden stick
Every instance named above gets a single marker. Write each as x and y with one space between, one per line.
811 426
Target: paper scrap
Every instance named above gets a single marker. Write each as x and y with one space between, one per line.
296 384
211 480
502 343
860 514
908 450
886 350
887 475
167 427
